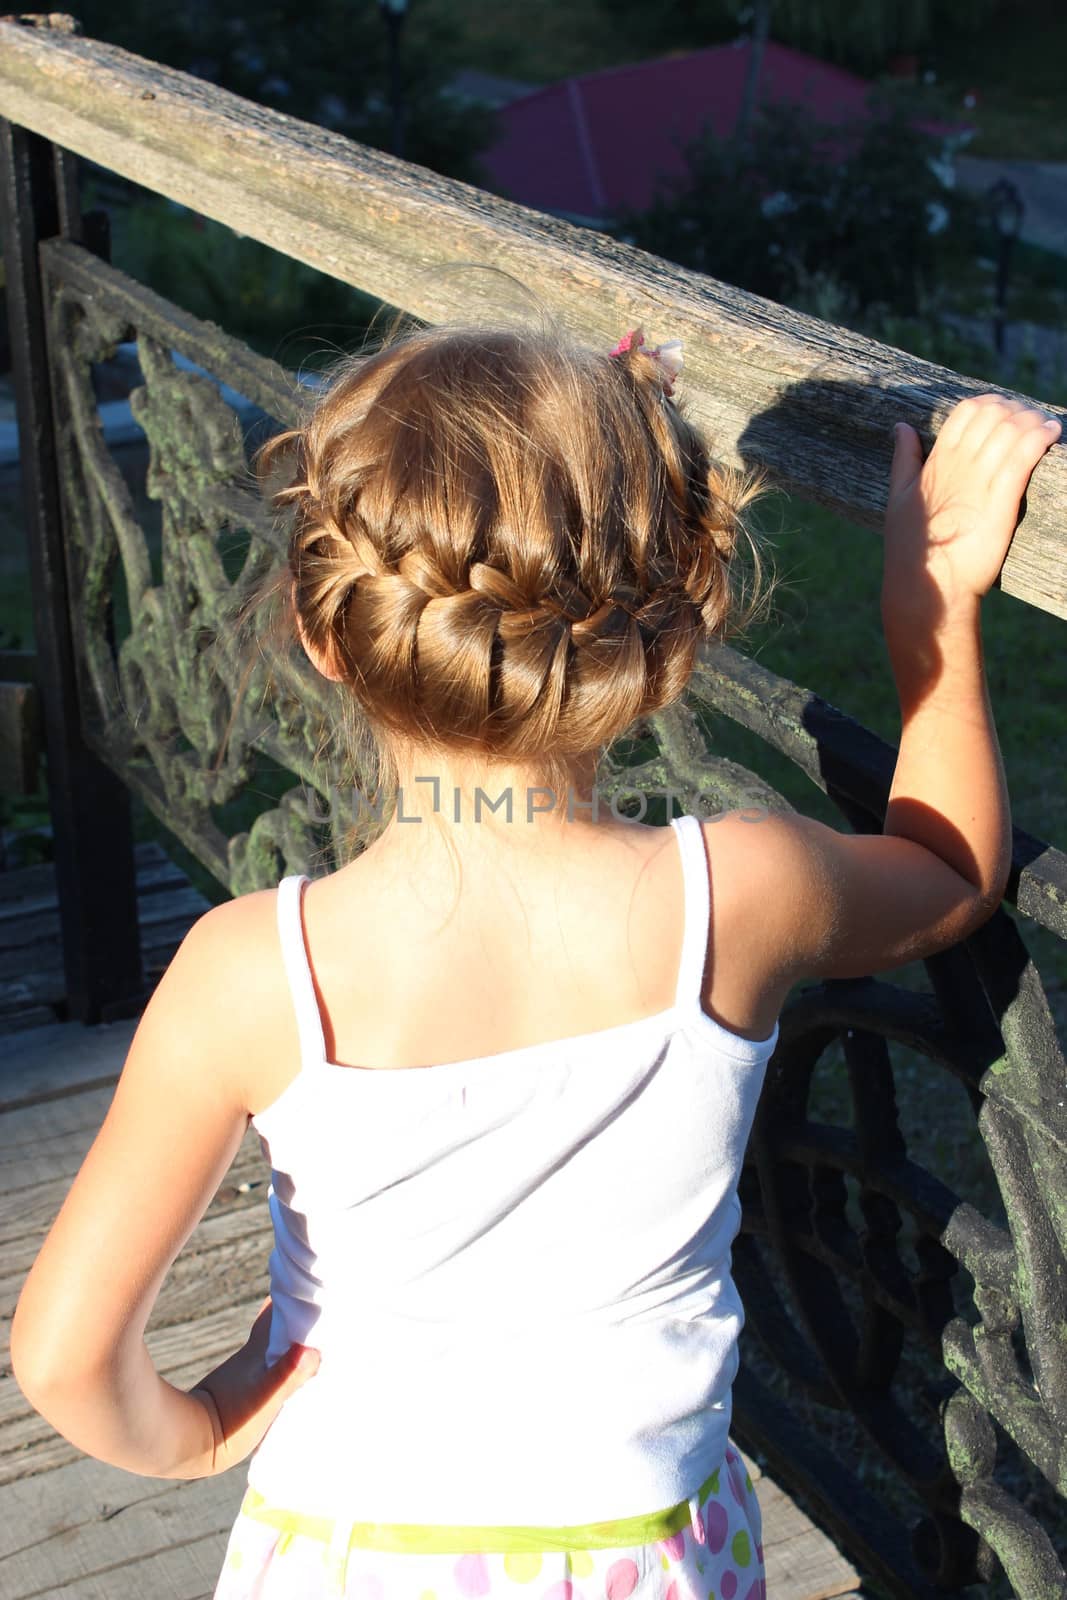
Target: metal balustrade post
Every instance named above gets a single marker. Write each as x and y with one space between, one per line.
90 807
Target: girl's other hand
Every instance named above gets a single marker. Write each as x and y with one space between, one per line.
242 1396
949 521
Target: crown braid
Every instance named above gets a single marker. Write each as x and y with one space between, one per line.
506 544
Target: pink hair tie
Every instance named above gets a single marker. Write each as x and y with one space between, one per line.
668 357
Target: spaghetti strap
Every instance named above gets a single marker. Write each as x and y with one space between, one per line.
298 971
697 912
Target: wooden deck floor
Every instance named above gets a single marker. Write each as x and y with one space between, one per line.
73 1529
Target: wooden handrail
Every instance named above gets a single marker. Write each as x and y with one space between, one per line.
811 402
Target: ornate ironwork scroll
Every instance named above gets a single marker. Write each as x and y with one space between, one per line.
175 703
846 1288
854 1256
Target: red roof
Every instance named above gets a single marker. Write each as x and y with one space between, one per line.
597 144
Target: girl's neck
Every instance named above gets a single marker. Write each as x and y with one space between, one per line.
478 807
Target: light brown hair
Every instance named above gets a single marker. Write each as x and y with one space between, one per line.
508 544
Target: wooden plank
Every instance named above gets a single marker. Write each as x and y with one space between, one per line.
59 1060
812 403
85 1530
44 1141
33 889
20 937
20 738
77 1506
800 1560
25 1216
226 1255
77 1509
801 1564
32 982
183 1353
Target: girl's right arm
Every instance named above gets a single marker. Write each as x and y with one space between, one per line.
844 905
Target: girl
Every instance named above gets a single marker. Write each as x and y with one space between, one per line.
505 1062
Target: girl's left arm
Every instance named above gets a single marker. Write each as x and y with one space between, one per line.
177 1119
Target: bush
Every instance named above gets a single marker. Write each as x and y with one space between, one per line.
860 201
326 63
286 310
861 34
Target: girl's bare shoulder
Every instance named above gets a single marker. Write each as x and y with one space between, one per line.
226 987
758 891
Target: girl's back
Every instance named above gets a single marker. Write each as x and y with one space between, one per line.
505 1070
527 933
541 1222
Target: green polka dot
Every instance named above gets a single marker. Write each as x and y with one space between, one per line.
663 1560
235 1558
428 1594
700 1566
283 1543
740 1548
522 1565
748 1480
715 1481
581 1563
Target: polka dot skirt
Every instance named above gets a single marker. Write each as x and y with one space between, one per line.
719 1557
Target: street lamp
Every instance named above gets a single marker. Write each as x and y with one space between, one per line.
1006 204
393 14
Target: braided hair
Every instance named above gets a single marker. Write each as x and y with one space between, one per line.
507 544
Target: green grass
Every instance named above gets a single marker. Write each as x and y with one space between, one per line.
1015 64
561 40
826 635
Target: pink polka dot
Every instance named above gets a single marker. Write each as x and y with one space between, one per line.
621 1580
737 1483
472 1576
368 1586
672 1592
759 1552
674 1546
563 1590
717 1524
728 1584
757 1591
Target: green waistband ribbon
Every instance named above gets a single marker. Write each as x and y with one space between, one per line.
450 1539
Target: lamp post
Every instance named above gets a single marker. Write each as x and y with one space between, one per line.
1006 204
393 14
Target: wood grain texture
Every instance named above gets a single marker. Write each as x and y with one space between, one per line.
89 1530
32 979
812 403
799 1559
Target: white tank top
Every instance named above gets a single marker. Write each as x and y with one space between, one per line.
516 1267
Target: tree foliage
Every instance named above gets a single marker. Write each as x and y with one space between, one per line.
799 198
325 61
867 33
864 34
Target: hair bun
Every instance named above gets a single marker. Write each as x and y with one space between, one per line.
506 551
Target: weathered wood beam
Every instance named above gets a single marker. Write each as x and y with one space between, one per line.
20 724
812 403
